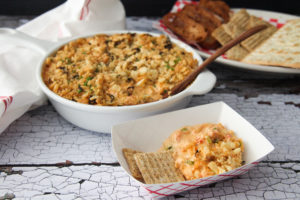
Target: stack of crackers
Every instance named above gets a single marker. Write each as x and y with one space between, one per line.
268 47
240 22
152 168
281 49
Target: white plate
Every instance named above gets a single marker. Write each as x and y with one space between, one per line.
272 17
148 134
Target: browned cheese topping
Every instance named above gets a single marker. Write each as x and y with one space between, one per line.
117 70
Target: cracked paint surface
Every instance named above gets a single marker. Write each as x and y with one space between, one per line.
42 156
42 136
277 177
266 181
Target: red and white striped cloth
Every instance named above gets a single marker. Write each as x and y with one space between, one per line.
18 88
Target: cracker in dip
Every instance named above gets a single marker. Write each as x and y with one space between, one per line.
204 150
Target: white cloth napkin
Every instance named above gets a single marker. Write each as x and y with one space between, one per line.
19 90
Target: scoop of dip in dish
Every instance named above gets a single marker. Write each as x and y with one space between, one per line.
204 150
116 70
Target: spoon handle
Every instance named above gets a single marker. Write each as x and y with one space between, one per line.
183 84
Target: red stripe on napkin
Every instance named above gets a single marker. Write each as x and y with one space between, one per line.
85 9
7 100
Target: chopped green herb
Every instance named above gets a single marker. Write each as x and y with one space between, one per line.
79 88
68 61
169 148
87 80
190 162
208 140
84 52
168 66
184 129
154 42
176 61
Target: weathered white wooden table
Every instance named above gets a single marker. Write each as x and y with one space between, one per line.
42 156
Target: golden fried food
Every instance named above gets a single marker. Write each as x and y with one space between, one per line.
195 22
185 27
207 19
219 8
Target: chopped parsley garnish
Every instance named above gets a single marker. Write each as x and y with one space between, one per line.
79 88
240 143
154 42
176 61
168 66
87 80
190 162
169 148
69 61
208 140
184 129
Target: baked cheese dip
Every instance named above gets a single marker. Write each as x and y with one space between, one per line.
117 70
204 150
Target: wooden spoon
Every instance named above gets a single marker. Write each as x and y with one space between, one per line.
189 79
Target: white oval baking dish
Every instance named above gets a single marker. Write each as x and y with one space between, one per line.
101 118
